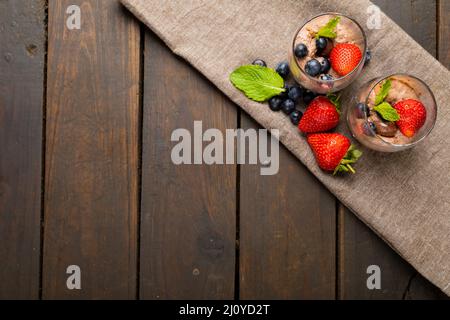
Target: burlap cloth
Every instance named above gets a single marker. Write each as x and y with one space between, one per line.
403 197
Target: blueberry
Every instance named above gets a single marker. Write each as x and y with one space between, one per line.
362 110
283 69
288 106
368 56
308 96
295 117
313 67
259 62
295 93
284 94
321 44
325 65
326 77
275 103
369 128
301 50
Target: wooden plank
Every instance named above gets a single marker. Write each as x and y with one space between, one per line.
416 17
359 247
91 183
287 232
188 211
22 59
444 33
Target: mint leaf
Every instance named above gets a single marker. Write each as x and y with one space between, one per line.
258 83
336 100
384 109
328 30
382 94
387 112
326 33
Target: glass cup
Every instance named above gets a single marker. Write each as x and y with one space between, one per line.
405 87
348 30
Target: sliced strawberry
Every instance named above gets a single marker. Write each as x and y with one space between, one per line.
320 115
345 57
412 116
333 152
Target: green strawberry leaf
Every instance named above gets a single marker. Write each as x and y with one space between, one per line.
379 98
336 100
353 153
258 83
387 112
350 157
328 30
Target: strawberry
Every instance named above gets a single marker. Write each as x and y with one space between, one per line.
412 116
333 152
345 57
321 115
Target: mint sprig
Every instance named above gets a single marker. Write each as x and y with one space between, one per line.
258 83
350 157
387 112
328 30
384 109
382 94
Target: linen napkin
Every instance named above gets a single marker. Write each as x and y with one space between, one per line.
403 197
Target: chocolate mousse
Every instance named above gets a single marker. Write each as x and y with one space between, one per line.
320 47
328 53
392 113
396 92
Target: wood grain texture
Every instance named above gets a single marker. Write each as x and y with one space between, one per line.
287 232
188 211
359 247
91 183
22 59
416 17
444 32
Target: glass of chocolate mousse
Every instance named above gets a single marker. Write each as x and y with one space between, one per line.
328 52
392 113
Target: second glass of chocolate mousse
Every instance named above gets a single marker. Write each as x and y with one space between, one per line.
328 53
392 113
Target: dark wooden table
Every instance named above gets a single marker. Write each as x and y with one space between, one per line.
86 177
